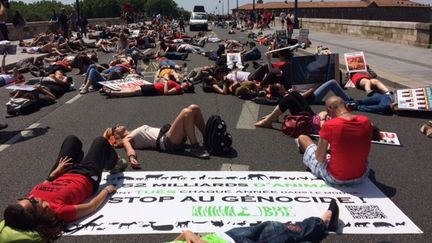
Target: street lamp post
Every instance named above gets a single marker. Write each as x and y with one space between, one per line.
253 10
228 7
77 7
296 25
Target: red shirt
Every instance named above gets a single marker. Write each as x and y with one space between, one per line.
171 84
64 193
350 143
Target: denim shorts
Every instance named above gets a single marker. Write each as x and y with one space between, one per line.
319 169
167 146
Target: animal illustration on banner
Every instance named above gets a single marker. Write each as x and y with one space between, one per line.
210 201
415 99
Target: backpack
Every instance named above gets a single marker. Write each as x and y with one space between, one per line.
297 125
21 106
216 139
8 234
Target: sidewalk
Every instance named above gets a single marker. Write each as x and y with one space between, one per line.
401 64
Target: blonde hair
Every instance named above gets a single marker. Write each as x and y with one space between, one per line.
113 138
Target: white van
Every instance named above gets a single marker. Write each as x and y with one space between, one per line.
198 21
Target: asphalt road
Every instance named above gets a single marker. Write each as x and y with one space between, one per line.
402 173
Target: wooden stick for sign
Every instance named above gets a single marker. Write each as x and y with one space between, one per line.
287 47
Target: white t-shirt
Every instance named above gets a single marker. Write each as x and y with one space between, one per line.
238 76
144 137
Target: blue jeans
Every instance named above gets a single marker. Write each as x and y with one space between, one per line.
330 85
311 229
168 63
376 104
94 76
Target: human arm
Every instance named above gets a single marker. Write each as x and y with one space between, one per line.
176 89
85 209
310 91
130 151
60 169
270 66
189 237
321 151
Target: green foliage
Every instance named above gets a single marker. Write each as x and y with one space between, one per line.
42 10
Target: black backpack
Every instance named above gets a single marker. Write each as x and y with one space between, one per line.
216 139
21 106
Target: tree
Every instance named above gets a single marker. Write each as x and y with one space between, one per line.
163 7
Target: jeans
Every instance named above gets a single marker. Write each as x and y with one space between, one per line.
168 63
252 55
94 76
176 55
101 155
311 229
376 104
330 85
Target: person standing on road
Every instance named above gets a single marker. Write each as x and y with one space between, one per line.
349 137
63 21
282 17
290 21
3 17
19 24
182 24
62 196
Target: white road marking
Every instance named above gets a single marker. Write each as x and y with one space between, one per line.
234 167
73 99
24 133
248 116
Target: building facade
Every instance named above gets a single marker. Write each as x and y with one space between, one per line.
389 10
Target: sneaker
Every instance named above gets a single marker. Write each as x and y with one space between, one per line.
121 166
369 93
199 152
3 126
81 87
91 89
84 91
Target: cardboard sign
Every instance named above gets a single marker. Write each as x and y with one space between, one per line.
388 138
355 62
23 87
315 69
303 36
154 202
234 58
415 99
126 83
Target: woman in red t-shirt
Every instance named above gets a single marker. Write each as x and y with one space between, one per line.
60 198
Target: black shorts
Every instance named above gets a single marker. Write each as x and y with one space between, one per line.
167 146
149 90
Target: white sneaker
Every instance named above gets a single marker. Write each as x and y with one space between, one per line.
84 91
91 89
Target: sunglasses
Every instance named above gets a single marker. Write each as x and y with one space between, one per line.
33 201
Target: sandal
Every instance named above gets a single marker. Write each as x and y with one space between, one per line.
426 129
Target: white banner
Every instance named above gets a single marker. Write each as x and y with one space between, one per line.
203 201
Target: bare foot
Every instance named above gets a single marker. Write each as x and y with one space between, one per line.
264 123
326 217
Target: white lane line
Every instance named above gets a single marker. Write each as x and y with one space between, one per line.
76 97
234 167
17 137
248 115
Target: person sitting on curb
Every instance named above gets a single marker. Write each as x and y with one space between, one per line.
169 138
312 229
62 196
349 137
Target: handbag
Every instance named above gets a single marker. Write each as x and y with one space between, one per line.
296 125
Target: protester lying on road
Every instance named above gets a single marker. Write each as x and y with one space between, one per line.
169 138
163 87
53 202
15 77
368 82
312 229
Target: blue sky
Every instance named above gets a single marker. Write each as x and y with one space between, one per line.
211 5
